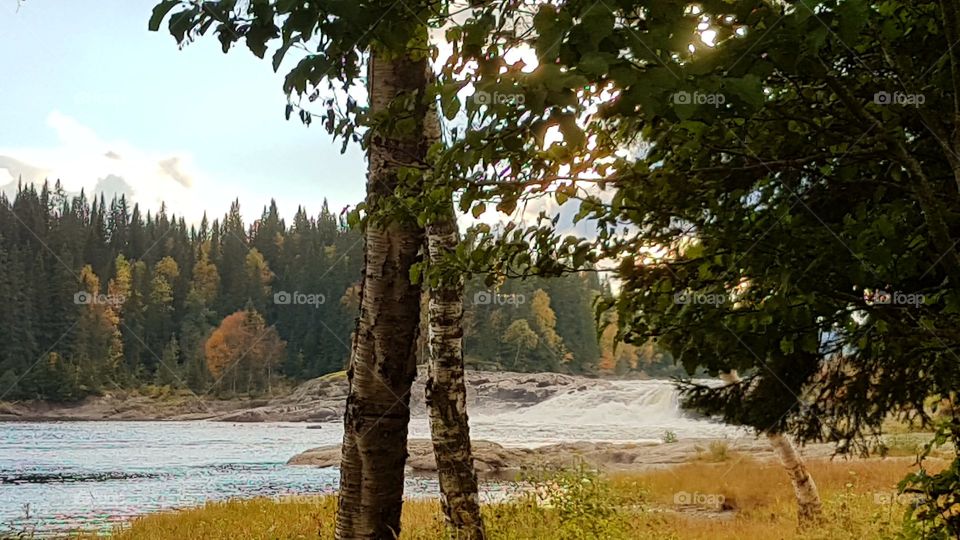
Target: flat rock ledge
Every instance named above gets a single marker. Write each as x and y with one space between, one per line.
492 458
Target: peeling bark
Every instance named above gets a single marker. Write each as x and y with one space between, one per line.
809 507
383 357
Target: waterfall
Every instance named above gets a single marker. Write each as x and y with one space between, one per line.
642 410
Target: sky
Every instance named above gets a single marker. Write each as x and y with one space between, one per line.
89 96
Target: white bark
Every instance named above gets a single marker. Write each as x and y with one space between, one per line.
383 357
446 391
809 506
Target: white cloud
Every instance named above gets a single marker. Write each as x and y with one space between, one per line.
173 167
82 160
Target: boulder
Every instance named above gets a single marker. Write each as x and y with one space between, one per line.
489 457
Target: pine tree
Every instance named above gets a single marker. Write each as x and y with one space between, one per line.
161 282
169 372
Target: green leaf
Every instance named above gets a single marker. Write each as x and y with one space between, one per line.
598 22
257 38
685 111
478 210
816 38
594 63
160 11
416 272
853 15
748 88
806 8
572 134
182 22
451 107
281 52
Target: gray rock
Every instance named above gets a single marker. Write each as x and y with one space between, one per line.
491 457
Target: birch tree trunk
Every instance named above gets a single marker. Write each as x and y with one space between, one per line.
383 357
809 507
446 392
447 395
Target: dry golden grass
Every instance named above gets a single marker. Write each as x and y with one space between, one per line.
758 502
859 499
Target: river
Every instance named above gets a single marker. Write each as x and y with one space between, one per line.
61 476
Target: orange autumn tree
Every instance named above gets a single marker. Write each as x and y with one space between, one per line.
243 351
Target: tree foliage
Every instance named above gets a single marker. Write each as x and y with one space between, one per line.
244 351
153 308
772 184
160 283
788 182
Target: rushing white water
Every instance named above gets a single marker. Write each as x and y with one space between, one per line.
608 411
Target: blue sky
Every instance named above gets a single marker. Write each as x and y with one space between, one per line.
89 96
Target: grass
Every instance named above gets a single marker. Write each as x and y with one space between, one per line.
715 452
737 499
335 376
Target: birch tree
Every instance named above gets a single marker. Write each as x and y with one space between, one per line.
391 42
809 506
446 392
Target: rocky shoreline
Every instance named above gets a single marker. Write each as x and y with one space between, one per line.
318 400
495 459
322 400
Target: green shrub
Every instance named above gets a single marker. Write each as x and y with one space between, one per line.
578 504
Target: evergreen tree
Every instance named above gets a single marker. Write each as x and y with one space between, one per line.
160 287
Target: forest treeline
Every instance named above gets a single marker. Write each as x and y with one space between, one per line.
98 295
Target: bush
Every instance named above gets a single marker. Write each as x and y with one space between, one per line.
935 512
579 501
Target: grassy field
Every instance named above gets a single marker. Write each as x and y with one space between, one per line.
734 499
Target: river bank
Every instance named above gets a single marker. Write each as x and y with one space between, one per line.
317 400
